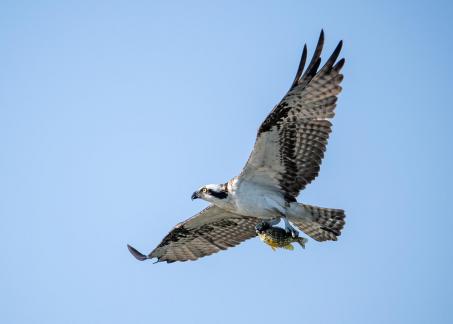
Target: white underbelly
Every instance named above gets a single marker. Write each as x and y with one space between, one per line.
253 200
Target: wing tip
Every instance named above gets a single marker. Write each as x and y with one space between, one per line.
300 69
339 65
136 254
321 39
316 58
339 47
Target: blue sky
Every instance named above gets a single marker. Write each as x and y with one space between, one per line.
113 112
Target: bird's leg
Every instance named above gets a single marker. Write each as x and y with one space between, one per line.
289 228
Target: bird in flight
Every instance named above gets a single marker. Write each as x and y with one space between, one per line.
286 157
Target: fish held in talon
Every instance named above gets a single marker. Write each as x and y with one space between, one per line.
277 237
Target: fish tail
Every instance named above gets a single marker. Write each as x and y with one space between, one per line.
302 241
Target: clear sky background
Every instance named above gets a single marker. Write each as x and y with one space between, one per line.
113 112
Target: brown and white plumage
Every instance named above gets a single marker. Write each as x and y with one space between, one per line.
292 140
210 231
287 155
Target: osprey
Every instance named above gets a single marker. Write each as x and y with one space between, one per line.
286 157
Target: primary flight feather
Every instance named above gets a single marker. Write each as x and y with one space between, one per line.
287 155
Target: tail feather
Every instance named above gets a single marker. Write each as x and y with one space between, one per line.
322 224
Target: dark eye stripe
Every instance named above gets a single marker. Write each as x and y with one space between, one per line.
219 195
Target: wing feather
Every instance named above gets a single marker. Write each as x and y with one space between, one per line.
210 231
291 141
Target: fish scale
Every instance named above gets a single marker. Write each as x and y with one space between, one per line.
277 237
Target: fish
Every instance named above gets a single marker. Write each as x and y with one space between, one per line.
277 237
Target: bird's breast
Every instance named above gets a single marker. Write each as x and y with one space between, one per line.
251 199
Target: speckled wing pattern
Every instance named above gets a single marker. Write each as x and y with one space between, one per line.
291 141
210 231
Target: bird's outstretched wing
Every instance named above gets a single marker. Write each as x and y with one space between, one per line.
292 139
210 231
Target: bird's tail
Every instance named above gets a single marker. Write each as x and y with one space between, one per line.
319 223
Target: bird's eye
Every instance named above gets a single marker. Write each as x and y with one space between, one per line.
204 190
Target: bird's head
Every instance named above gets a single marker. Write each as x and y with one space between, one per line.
213 193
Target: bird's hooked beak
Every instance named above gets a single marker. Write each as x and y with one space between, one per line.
195 195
